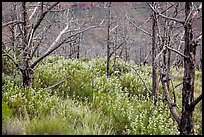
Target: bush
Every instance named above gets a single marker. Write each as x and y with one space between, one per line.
8 66
6 113
89 102
70 117
25 102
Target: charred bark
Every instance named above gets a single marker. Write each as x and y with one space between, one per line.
24 65
187 123
154 66
108 42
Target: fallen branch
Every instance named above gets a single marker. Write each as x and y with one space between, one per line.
140 78
57 83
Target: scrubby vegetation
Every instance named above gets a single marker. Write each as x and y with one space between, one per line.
88 102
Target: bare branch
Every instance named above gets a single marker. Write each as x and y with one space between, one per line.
163 16
54 45
114 28
199 37
34 11
170 104
35 48
8 55
197 11
43 15
58 37
173 91
178 84
188 17
177 52
156 58
138 27
195 102
119 46
140 78
167 8
12 22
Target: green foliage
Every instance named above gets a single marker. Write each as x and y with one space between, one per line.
52 126
25 102
86 59
89 102
7 65
6 113
70 117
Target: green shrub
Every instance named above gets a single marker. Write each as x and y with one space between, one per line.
45 126
89 102
8 66
6 113
70 117
29 102
86 59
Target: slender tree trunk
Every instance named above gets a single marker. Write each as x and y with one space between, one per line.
140 61
187 123
114 46
78 45
108 42
126 53
154 66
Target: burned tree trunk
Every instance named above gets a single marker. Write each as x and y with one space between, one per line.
108 42
154 66
24 65
27 74
187 122
78 46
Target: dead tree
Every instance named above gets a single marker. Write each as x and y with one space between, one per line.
113 46
154 52
28 26
185 121
108 41
188 104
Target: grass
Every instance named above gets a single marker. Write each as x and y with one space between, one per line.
89 103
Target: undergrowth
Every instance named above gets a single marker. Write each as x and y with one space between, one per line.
88 102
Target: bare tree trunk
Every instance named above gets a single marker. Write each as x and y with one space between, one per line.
167 40
108 42
24 67
140 60
78 45
187 123
114 48
126 53
154 66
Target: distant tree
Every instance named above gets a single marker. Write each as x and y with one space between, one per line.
108 41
